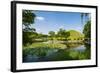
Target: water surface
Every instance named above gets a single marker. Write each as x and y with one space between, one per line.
72 51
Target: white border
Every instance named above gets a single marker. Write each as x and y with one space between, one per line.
38 65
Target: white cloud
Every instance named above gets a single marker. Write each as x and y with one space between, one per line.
40 18
61 27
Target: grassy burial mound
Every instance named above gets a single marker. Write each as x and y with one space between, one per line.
75 36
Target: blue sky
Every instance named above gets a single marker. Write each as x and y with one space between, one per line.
46 21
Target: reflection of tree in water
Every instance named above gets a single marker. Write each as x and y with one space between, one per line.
73 45
88 50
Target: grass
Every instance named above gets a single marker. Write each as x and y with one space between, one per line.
46 45
75 35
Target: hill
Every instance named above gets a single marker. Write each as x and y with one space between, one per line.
75 35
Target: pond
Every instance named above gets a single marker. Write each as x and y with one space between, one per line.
72 51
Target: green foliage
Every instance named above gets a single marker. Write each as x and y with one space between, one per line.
62 34
28 37
28 17
87 29
74 54
52 33
40 49
55 52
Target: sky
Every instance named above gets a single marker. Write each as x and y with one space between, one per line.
46 21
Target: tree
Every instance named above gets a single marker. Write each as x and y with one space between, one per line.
52 35
83 16
28 18
29 37
87 30
41 36
62 34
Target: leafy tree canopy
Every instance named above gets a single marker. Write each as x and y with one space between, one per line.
28 17
51 33
62 33
87 29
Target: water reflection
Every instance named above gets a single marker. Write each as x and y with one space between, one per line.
73 51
